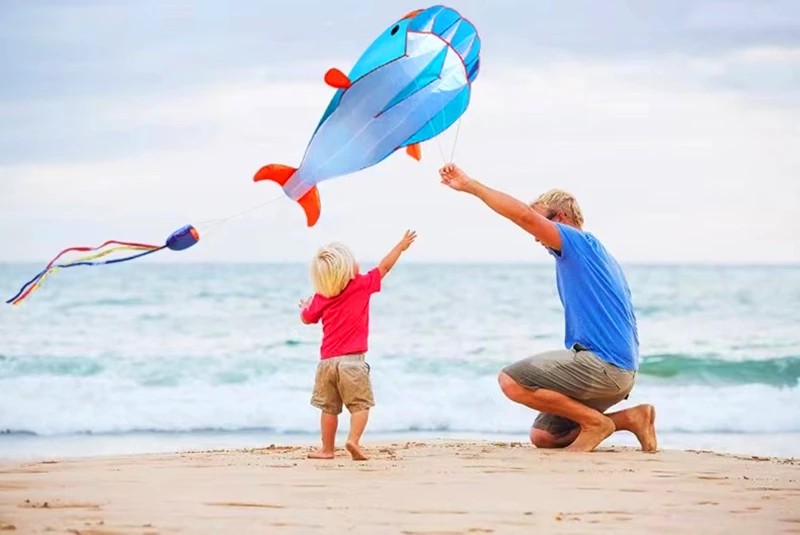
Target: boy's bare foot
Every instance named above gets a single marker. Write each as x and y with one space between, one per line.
590 437
643 418
355 451
320 454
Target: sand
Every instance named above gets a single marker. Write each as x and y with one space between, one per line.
408 488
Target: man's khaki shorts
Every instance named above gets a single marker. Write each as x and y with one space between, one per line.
344 381
577 373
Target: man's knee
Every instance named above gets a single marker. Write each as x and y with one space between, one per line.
542 439
508 385
546 440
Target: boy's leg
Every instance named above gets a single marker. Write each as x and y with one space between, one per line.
356 392
328 423
358 422
326 398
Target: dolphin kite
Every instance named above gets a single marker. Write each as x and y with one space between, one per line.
411 84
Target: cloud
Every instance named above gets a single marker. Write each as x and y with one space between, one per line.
671 121
89 47
667 168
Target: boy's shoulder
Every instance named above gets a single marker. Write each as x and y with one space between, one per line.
369 281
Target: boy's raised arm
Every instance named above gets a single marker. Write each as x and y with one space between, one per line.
388 262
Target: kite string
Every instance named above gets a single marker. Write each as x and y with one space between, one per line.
213 225
455 141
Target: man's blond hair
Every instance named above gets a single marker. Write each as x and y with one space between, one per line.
561 201
332 269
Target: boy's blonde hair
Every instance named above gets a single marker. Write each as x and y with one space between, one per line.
557 199
332 268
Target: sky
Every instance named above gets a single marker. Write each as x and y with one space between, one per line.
675 123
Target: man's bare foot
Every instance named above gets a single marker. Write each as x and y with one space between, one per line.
355 451
321 454
642 424
591 436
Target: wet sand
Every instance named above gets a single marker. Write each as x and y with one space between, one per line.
436 487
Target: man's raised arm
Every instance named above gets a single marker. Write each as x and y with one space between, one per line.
504 204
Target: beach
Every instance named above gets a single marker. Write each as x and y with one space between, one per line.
433 487
144 402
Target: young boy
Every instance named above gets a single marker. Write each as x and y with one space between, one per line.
342 303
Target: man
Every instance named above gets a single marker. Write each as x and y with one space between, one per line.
572 388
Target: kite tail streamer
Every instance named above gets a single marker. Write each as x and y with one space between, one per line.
124 244
89 260
182 239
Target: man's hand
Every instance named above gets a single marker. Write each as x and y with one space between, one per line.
454 177
408 239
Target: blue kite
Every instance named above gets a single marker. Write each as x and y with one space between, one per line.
411 84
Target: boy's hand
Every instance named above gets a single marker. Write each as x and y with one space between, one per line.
454 177
390 259
303 303
408 239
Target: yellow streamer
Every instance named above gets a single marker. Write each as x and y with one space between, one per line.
87 258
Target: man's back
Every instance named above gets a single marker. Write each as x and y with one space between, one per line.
598 310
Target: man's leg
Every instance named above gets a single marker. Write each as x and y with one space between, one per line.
551 431
571 390
548 429
639 420
543 439
594 426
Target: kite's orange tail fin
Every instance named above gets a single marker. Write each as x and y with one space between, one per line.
281 174
414 151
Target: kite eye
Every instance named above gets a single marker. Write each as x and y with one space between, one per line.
394 30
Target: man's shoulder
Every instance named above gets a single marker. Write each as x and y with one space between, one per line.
575 233
576 240
584 247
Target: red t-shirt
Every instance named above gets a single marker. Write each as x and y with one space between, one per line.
345 318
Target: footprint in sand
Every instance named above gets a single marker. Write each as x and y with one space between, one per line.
57 505
620 515
437 512
665 473
712 477
245 504
745 511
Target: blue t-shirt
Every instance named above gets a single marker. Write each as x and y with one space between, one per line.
598 310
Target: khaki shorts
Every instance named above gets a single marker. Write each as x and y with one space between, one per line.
344 381
577 373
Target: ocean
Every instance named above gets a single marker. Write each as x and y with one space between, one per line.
148 357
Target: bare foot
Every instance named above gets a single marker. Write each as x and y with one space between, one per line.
591 436
642 424
355 451
321 454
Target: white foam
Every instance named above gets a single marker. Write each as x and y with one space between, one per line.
110 403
